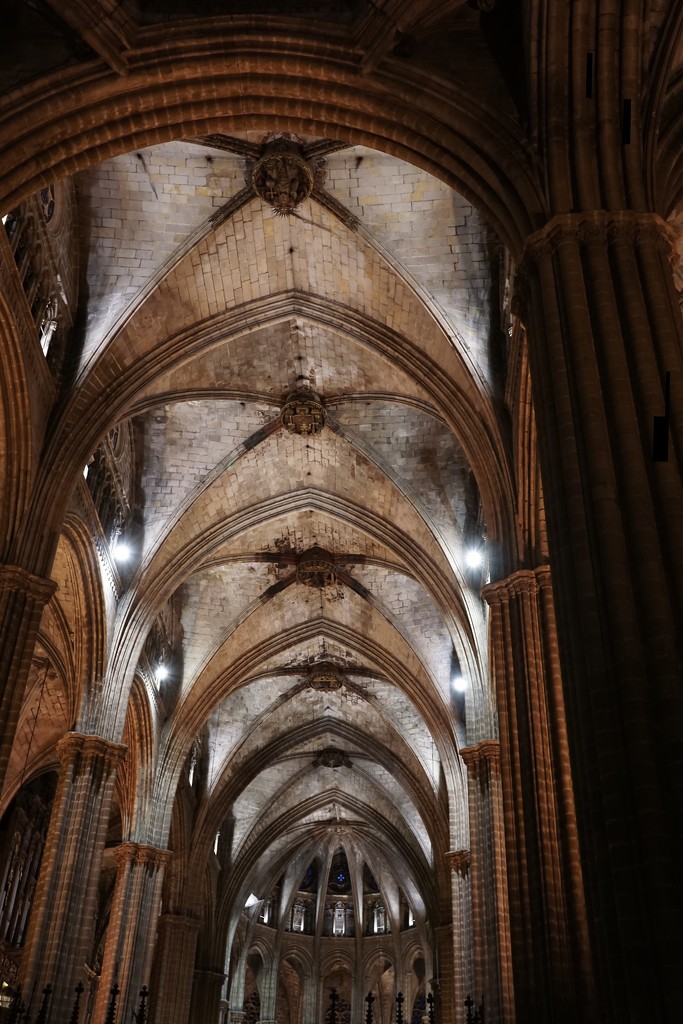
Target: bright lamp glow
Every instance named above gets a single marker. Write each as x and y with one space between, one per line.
251 900
161 673
473 558
459 684
121 552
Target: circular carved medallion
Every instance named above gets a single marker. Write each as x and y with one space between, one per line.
282 177
316 568
325 677
303 413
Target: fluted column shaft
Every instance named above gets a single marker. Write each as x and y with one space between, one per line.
604 326
62 923
22 600
492 966
547 912
131 935
172 975
207 987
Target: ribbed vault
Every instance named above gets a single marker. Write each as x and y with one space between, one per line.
305 588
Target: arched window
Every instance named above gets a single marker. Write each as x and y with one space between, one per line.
298 916
338 924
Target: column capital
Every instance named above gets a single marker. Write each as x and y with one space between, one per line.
13 577
486 753
74 743
588 225
459 861
141 853
183 922
523 581
605 227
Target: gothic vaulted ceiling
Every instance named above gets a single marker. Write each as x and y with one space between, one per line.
298 343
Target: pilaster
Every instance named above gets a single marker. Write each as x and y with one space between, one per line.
23 597
492 965
62 921
131 935
604 327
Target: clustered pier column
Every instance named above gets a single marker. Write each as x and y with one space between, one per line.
461 897
62 923
604 326
173 972
548 920
492 963
207 989
131 934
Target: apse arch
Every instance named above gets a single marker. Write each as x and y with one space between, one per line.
437 718
233 783
412 864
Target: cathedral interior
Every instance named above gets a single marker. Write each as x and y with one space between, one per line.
341 516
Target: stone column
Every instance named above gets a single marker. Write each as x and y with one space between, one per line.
207 988
131 935
461 898
310 1000
172 975
268 988
446 1005
492 966
238 982
22 600
604 325
550 950
61 927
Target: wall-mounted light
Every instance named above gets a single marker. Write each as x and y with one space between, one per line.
473 558
459 683
121 552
